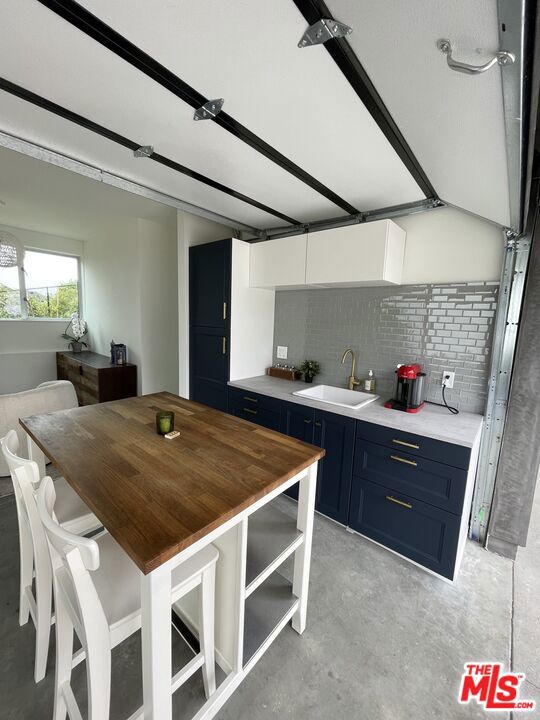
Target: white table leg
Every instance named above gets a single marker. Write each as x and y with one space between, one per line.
302 557
36 454
156 644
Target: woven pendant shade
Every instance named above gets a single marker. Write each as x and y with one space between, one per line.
9 249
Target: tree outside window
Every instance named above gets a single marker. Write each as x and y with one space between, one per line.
46 287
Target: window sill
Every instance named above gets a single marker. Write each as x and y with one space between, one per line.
38 320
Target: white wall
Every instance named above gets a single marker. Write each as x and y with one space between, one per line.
158 276
130 297
448 245
28 347
191 230
252 319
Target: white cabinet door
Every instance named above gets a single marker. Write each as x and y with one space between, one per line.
367 254
278 264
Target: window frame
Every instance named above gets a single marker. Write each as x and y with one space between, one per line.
23 290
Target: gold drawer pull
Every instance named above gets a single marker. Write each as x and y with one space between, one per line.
250 411
224 346
400 459
399 502
406 444
250 399
224 310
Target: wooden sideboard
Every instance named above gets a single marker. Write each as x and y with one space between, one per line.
94 377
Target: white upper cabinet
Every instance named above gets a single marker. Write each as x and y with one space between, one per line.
278 264
366 254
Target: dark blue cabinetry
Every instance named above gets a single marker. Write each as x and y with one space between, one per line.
433 482
402 490
421 532
256 408
335 434
209 322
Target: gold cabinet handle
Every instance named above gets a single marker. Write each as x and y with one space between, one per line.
406 444
224 346
250 399
250 411
224 310
402 460
399 502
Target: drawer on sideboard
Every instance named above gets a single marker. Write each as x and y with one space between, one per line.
433 482
448 453
252 400
421 532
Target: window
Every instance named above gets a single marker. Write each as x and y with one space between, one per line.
47 287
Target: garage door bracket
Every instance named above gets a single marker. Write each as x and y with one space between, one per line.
209 110
322 31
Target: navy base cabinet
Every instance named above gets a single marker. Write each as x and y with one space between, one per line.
421 532
258 409
334 433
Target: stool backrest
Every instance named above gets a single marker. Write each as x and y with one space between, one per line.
25 483
73 558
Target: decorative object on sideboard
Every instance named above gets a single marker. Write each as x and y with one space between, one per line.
164 422
310 368
118 353
285 372
78 331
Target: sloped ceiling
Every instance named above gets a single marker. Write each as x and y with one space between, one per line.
314 151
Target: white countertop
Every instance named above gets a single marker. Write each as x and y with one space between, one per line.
431 421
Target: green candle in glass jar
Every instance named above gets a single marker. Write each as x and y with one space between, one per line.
164 422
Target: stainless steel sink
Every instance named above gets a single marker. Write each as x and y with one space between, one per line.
352 399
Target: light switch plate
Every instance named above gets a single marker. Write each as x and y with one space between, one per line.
450 382
282 352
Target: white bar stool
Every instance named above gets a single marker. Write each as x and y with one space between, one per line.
97 594
73 515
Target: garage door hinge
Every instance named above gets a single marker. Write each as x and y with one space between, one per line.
209 110
322 31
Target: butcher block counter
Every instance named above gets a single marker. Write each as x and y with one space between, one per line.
163 500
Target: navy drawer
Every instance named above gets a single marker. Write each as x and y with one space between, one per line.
421 532
260 416
248 399
443 452
434 483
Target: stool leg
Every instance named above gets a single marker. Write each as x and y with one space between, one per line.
43 620
64 655
206 628
27 567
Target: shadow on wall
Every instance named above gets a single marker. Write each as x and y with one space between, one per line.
442 327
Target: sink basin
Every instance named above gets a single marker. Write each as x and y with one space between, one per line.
352 399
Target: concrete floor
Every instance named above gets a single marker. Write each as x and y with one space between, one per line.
385 640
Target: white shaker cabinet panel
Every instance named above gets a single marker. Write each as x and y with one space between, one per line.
366 254
278 264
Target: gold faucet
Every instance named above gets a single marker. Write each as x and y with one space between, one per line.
352 382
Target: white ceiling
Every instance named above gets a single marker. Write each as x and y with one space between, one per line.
35 195
453 122
296 100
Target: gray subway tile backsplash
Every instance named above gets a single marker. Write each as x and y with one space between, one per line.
442 327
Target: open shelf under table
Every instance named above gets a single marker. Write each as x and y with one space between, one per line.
272 537
267 609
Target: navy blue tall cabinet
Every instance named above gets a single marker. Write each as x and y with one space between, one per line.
209 322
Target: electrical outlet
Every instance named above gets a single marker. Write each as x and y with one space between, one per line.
282 352
448 378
